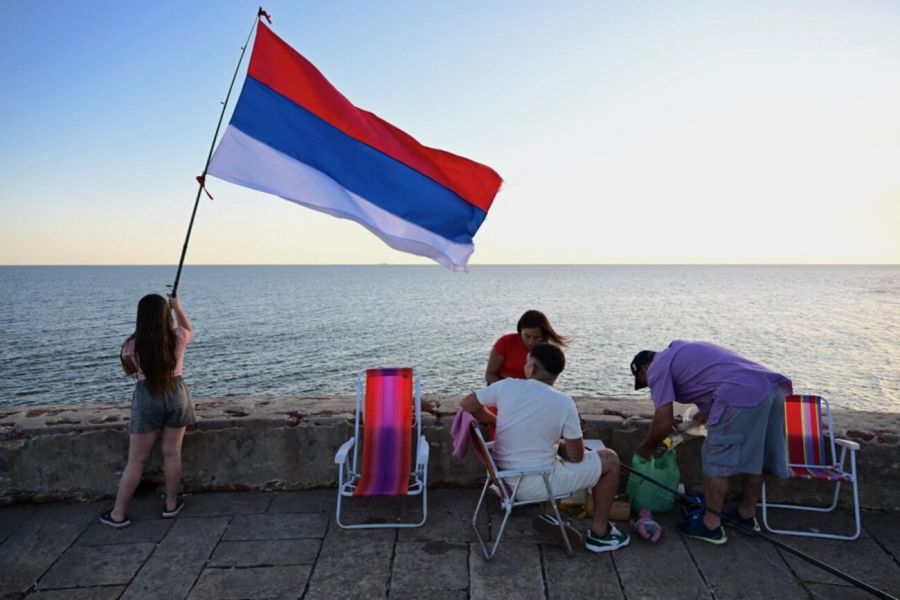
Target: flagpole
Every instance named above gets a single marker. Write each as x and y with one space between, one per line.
201 179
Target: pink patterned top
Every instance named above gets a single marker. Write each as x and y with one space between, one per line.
182 337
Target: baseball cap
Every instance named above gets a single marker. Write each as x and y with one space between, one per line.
640 359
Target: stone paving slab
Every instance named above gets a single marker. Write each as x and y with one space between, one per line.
645 568
225 503
256 553
271 545
13 517
514 572
86 593
884 528
276 526
427 567
256 582
823 591
178 560
39 541
863 558
84 566
353 564
586 575
745 567
306 501
98 534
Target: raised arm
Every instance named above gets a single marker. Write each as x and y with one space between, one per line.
180 318
492 372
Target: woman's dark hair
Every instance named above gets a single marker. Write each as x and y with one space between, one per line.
154 343
551 357
535 318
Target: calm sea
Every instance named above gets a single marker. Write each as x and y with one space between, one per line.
308 330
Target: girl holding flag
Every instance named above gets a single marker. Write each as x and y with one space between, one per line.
154 356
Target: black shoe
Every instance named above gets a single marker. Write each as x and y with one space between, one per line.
748 523
107 519
695 528
169 514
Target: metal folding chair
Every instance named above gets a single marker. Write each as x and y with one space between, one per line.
388 402
807 460
505 485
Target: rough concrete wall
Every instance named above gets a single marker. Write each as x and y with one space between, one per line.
78 451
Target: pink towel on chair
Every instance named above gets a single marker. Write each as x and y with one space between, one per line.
459 431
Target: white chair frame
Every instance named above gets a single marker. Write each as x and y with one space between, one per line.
496 481
837 465
348 464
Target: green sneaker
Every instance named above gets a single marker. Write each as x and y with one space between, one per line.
613 539
750 523
695 528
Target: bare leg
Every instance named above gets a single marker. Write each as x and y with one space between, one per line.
752 487
171 451
605 489
715 489
139 447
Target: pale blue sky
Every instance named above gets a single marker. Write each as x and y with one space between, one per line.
626 132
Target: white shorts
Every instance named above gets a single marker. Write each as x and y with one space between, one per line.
567 477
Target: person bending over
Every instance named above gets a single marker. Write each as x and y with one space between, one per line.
743 405
532 417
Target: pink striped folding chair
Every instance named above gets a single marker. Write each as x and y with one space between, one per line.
807 460
388 403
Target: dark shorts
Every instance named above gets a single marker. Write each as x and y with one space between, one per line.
748 441
152 413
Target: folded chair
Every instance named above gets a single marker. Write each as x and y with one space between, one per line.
388 402
807 460
505 485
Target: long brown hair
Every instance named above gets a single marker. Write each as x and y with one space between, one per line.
535 318
154 343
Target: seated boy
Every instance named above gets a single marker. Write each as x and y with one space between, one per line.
532 417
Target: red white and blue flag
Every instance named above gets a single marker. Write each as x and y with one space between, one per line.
294 135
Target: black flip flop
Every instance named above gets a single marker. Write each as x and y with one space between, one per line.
107 519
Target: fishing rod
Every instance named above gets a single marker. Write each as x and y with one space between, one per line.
777 543
201 179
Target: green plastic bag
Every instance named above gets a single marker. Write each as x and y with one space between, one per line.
644 494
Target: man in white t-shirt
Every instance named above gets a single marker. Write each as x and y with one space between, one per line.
531 418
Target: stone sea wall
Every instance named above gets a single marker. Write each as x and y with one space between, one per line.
77 451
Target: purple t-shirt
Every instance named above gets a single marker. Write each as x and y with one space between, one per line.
711 377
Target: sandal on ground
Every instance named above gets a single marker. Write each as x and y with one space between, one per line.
107 519
168 514
548 527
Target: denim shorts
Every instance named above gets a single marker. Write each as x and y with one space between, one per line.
152 413
748 441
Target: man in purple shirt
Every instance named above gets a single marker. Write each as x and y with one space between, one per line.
742 403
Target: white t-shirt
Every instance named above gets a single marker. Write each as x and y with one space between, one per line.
531 417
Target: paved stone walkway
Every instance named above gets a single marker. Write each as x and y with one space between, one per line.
287 545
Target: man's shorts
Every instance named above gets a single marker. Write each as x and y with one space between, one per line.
566 478
151 413
748 441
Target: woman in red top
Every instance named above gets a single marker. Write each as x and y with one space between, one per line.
510 351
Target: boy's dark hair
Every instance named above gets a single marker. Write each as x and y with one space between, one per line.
551 358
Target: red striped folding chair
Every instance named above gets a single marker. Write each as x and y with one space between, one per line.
388 403
808 460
